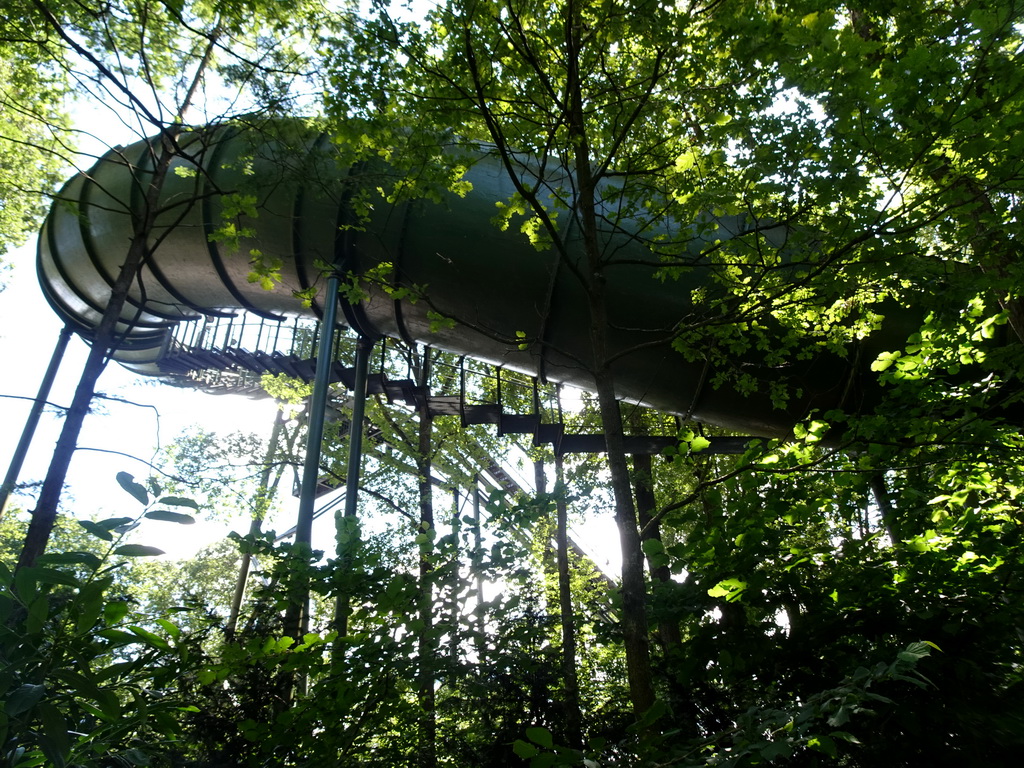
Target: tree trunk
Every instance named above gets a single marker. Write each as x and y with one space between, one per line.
646 503
542 539
885 509
32 421
44 516
426 643
265 493
634 588
478 560
635 632
454 584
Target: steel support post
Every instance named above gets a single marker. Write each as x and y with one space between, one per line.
299 624
33 419
364 349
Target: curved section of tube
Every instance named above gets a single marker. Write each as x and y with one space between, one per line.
438 273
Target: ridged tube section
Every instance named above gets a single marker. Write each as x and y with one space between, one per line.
444 259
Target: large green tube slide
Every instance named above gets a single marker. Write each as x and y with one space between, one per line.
449 256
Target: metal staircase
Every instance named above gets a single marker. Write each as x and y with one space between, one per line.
230 355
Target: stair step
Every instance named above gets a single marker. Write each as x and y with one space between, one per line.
548 434
517 424
245 359
402 389
306 369
376 384
445 405
268 362
503 478
176 364
407 391
324 485
344 374
581 444
210 359
489 413
279 364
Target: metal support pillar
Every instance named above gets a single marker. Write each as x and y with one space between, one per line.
297 622
346 525
364 349
33 419
317 413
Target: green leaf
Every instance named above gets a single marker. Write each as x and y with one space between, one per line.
38 613
656 711
699 443
652 547
96 530
138 492
23 698
117 637
114 611
686 161
885 360
823 744
135 757
179 501
114 523
71 558
86 689
918 650
524 749
150 638
730 589
775 749
845 736
53 737
171 517
138 550
172 629
54 576
841 717
541 736
90 605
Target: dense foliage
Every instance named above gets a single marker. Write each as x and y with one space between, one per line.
850 596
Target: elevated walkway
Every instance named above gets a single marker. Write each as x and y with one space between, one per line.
230 355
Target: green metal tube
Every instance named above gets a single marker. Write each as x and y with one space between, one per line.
502 300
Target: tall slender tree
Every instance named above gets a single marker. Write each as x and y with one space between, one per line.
152 63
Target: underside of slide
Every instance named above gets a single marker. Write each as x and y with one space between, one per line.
439 273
